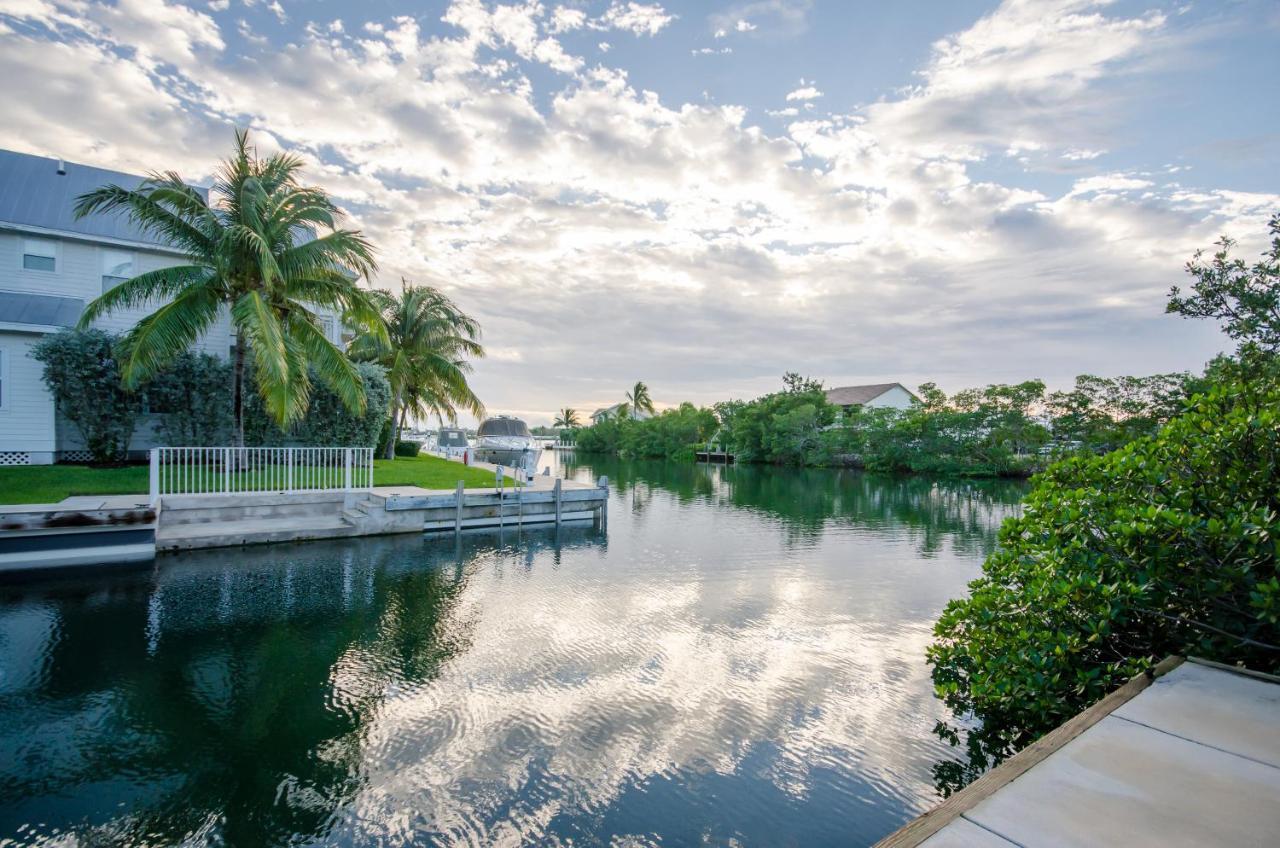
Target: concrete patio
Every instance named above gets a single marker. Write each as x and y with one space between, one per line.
1191 758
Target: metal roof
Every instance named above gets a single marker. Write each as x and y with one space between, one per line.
34 194
41 309
858 395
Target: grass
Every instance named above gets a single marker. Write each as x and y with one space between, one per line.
51 483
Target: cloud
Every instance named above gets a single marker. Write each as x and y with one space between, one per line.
806 92
779 17
744 26
637 18
875 244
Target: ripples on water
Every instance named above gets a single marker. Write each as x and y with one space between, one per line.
738 660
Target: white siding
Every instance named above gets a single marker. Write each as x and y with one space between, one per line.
78 274
26 407
895 398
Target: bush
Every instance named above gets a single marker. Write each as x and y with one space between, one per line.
327 423
785 427
1166 546
82 373
672 434
192 397
407 448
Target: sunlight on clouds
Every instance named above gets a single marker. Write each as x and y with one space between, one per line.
482 154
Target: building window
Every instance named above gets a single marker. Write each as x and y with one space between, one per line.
39 255
3 363
117 266
326 327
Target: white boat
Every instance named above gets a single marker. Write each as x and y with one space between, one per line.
506 441
452 441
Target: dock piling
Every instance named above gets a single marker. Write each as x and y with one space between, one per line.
458 514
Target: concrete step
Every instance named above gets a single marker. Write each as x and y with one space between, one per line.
254 531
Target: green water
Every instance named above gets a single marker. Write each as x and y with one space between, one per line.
737 659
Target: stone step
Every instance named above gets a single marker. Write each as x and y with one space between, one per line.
257 531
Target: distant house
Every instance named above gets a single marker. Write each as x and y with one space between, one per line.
873 396
612 412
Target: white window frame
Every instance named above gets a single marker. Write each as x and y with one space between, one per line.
327 326
103 253
5 383
24 253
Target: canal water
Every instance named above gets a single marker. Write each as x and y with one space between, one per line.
738 659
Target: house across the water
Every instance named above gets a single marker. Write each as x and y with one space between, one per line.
613 411
51 265
872 396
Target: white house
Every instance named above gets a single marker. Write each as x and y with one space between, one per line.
612 412
51 265
872 396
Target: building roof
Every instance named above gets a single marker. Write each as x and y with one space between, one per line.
858 395
33 194
40 309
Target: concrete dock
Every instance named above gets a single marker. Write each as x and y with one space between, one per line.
1187 757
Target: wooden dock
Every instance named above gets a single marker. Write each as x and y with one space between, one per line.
1186 756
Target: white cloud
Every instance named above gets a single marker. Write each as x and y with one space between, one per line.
588 195
637 18
744 26
806 92
564 19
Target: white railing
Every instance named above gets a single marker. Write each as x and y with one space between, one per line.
234 471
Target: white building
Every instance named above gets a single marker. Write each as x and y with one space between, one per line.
613 411
873 396
51 266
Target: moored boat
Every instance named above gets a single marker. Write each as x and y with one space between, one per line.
504 440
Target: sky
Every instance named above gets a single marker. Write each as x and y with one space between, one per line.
705 195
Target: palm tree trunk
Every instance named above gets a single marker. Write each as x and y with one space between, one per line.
237 396
391 442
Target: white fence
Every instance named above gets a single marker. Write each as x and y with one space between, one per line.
233 471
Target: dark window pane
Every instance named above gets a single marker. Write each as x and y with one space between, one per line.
37 263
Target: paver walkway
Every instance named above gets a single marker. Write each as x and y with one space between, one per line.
1193 759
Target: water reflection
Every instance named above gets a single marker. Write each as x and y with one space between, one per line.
742 661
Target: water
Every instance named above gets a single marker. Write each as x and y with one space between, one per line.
737 661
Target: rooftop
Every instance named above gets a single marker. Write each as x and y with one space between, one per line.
858 395
34 194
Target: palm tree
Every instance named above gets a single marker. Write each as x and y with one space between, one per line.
638 400
266 249
566 419
428 342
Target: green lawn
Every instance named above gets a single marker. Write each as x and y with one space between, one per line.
52 483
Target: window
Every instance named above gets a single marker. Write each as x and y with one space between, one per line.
2 380
326 327
39 255
117 266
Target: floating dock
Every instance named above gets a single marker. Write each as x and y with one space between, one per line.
1187 756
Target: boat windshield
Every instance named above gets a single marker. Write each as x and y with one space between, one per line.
503 427
452 439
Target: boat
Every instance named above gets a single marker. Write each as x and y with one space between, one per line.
504 440
452 441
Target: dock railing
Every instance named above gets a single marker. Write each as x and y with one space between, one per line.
236 471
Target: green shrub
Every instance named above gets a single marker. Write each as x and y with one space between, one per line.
192 398
405 447
327 423
673 433
82 373
1166 546
784 427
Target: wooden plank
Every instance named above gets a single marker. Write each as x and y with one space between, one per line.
921 828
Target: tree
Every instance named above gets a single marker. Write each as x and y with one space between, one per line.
250 250
82 373
425 353
638 400
1165 546
1244 298
567 419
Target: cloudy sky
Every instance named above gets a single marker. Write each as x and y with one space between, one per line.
705 195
